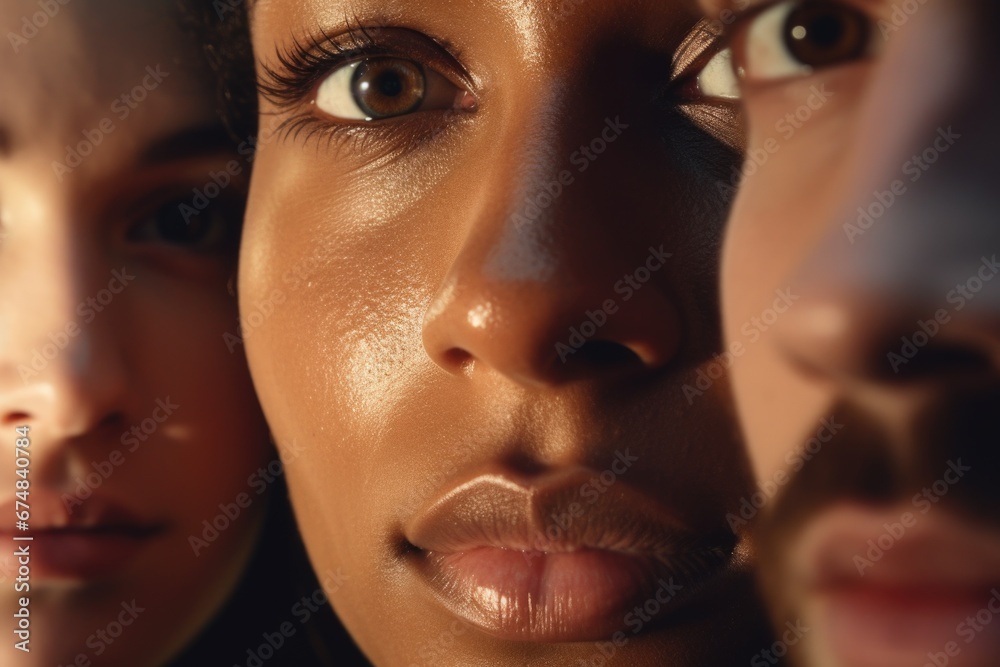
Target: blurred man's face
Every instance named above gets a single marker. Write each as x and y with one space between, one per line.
861 301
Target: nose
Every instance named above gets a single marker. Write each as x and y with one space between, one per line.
905 285
62 369
550 286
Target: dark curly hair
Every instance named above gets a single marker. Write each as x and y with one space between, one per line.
222 30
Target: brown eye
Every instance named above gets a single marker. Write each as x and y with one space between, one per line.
379 88
821 34
195 223
795 38
387 87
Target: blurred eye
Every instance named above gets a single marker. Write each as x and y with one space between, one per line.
718 78
380 88
185 224
796 38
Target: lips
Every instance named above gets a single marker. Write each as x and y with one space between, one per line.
86 540
554 559
894 587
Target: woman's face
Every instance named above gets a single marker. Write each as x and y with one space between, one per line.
487 316
869 404
113 304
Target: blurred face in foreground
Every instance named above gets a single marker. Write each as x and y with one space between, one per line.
113 305
869 402
477 286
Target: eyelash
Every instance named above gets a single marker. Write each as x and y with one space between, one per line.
301 67
304 64
307 62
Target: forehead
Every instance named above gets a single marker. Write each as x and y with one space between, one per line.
66 67
530 23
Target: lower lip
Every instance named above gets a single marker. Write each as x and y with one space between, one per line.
586 595
83 555
884 627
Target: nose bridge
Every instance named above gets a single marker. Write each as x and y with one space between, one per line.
912 256
61 368
542 259
42 267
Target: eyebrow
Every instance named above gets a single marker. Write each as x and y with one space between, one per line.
188 143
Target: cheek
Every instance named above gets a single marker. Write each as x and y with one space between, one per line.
216 434
797 182
334 285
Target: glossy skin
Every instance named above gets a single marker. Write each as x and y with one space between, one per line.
405 326
154 334
902 415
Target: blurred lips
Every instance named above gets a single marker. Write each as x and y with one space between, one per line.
538 560
891 587
92 540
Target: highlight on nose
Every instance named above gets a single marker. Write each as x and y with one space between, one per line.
554 330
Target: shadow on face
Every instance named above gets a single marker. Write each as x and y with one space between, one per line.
478 282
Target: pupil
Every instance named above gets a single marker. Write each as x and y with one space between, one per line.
390 85
826 31
387 87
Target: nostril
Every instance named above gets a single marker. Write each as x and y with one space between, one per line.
605 354
459 359
18 418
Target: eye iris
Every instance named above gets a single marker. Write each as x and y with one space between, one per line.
820 34
389 87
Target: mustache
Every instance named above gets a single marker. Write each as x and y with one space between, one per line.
871 463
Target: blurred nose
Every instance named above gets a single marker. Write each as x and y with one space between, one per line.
550 285
906 284
61 367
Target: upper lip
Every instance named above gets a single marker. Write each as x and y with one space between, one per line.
938 551
549 514
98 513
